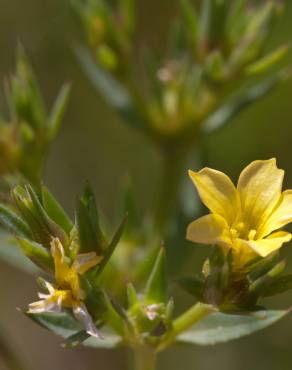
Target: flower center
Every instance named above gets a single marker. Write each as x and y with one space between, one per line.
242 231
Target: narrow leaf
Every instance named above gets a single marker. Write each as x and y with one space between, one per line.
37 254
90 235
13 223
191 17
112 246
220 328
267 61
279 285
156 287
58 111
55 210
114 93
65 326
239 102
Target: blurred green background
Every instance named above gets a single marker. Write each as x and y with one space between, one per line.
93 144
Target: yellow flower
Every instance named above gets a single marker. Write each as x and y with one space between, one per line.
66 292
245 217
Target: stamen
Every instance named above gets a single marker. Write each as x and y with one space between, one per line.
252 234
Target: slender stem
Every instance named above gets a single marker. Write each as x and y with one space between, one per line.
174 161
185 321
144 358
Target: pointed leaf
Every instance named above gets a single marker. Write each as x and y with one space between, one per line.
220 328
112 246
132 296
46 222
279 285
90 235
37 254
239 102
13 223
156 287
55 210
114 93
267 61
58 111
191 18
65 326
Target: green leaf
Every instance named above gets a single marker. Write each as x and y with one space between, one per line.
37 254
192 285
65 326
156 287
58 111
13 223
112 246
55 211
48 225
267 61
114 93
241 101
24 95
279 285
59 323
191 18
220 328
259 285
132 296
90 235
12 255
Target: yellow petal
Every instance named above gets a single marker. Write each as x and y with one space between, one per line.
281 216
210 229
217 192
273 242
259 187
86 261
242 253
61 267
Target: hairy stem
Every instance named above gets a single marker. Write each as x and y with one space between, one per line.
185 321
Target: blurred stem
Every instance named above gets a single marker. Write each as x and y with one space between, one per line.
11 360
174 159
144 358
185 321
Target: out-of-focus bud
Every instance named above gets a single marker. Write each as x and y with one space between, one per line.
42 227
9 149
25 139
109 30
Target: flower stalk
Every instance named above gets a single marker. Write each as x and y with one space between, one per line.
143 358
189 318
174 159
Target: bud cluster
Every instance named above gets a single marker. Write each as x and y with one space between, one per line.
214 48
26 135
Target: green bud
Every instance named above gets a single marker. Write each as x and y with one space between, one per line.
43 228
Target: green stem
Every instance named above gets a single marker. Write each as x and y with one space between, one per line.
144 358
174 160
185 321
